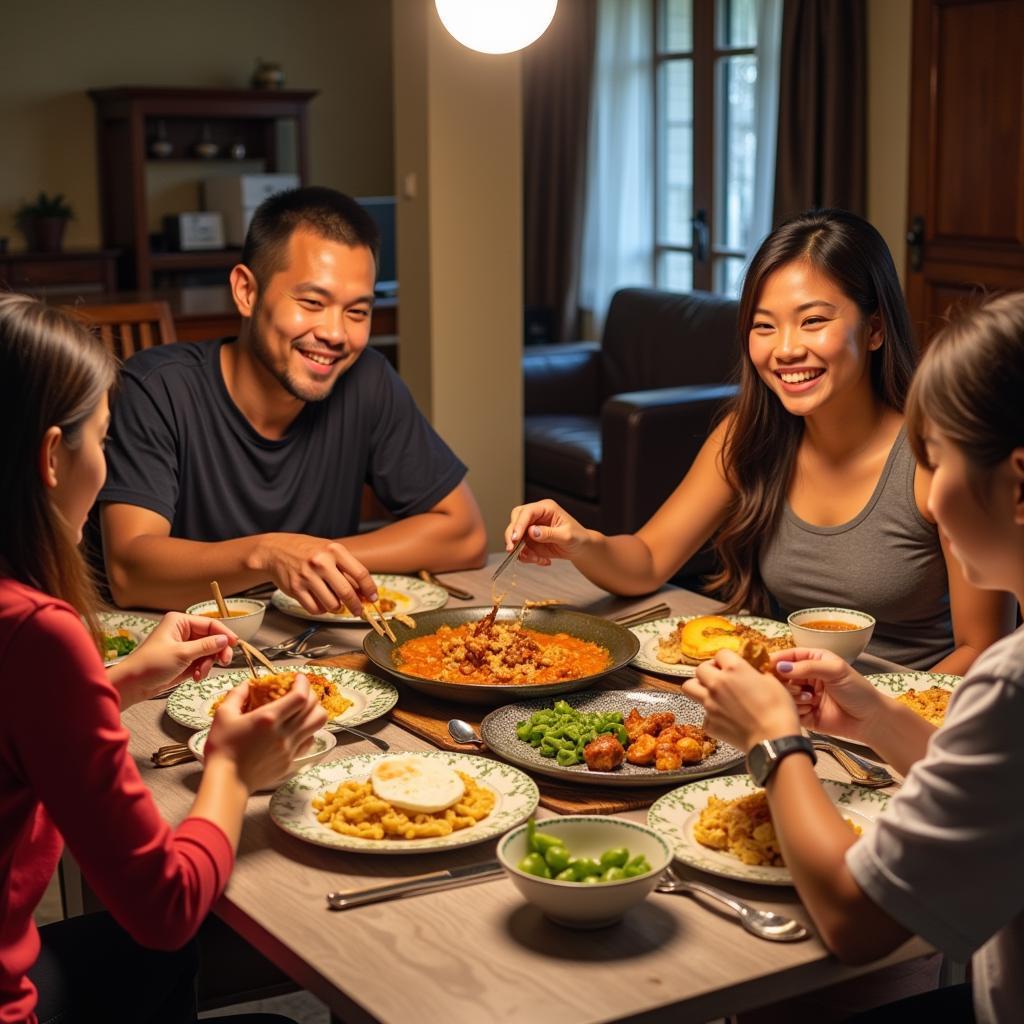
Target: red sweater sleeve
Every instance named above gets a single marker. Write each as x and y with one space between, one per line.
65 725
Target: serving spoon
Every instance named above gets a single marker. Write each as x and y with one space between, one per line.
462 732
762 923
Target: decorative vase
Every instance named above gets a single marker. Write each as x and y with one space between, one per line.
268 75
206 148
45 234
161 147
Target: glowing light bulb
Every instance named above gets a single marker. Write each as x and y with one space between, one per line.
496 26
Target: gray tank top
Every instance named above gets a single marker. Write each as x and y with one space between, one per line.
886 561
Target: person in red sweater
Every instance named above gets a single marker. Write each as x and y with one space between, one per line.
65 771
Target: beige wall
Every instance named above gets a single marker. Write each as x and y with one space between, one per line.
889 51
51 51
460 250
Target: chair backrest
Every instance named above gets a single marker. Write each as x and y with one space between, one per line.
661 339
129 326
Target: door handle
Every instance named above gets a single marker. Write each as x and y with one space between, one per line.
915 241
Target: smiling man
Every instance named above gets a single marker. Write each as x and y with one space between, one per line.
244 460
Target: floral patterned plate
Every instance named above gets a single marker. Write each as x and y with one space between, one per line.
291 807
498 730
409 594
649 633
895 683
190 703
136 626
676 813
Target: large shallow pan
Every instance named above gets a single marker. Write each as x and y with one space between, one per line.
622 644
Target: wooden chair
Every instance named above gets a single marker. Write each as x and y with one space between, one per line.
129 326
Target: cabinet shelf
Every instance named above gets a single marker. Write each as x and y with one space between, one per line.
128 118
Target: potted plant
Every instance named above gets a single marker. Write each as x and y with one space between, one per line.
44 221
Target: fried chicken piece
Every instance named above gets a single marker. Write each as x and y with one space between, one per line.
667 757
641 750
755 653
637 725
691 751
604 754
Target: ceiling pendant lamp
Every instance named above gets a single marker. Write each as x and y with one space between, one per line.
496 26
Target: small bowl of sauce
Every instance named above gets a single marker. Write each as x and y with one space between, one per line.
245 614
844 631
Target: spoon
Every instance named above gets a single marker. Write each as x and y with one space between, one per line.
463 732
762 923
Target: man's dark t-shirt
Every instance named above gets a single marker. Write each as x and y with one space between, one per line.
179 446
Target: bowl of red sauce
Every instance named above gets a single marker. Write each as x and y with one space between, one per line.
844 631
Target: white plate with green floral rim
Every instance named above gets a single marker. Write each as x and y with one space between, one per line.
649 633
498 730
410 595
291 807
190 703
675 814
895 683
137 628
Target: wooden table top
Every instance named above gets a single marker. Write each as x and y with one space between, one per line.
480 952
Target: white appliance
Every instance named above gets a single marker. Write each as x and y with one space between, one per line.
235 198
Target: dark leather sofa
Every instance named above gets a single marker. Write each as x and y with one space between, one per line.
612 427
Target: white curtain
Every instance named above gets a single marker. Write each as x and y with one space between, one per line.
766 114
618 226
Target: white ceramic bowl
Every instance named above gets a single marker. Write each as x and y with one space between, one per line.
245 626
323 743
587 906
849 644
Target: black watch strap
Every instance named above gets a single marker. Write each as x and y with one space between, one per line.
764 757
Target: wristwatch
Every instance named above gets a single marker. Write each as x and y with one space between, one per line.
764 757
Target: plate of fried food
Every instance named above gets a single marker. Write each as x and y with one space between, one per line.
399 597
349 697
609 738
723 825
487 655
676 646
927 693
414 802
121 633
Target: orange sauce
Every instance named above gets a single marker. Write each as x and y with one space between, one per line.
430 657
828 624
231 614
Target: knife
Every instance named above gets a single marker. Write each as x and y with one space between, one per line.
457 592
467 875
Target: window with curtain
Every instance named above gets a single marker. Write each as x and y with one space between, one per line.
709 112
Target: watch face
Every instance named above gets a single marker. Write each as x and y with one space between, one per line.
759 762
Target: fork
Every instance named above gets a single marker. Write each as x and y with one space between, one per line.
862 772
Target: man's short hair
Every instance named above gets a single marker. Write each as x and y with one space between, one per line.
328 213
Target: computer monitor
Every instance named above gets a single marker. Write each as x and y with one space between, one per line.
382 210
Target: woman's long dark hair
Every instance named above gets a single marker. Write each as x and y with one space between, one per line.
762 439
53 372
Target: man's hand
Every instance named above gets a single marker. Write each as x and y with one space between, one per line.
322 575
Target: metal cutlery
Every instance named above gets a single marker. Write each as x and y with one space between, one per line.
381 744
508 560
862 772
642 615
467 875
762 923
456 592
462 732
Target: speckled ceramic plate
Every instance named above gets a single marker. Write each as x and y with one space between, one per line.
291 807
675 814
618 640
411 596
189 704
499 733
649 633
136 626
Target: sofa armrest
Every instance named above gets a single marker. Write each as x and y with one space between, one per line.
562 378
648 441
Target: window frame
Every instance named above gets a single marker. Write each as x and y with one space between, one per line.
708 139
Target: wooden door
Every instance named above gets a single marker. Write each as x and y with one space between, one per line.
966 203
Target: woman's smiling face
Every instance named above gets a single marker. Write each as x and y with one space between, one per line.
809 341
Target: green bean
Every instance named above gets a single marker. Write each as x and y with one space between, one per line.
533 864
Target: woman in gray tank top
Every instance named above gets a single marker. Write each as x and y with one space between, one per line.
806 484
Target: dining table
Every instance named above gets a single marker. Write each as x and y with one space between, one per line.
480 952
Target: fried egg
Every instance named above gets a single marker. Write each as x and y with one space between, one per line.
416 784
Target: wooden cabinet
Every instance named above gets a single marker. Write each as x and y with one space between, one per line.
130 119
71 271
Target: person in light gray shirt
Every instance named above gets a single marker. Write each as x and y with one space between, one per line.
944 860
